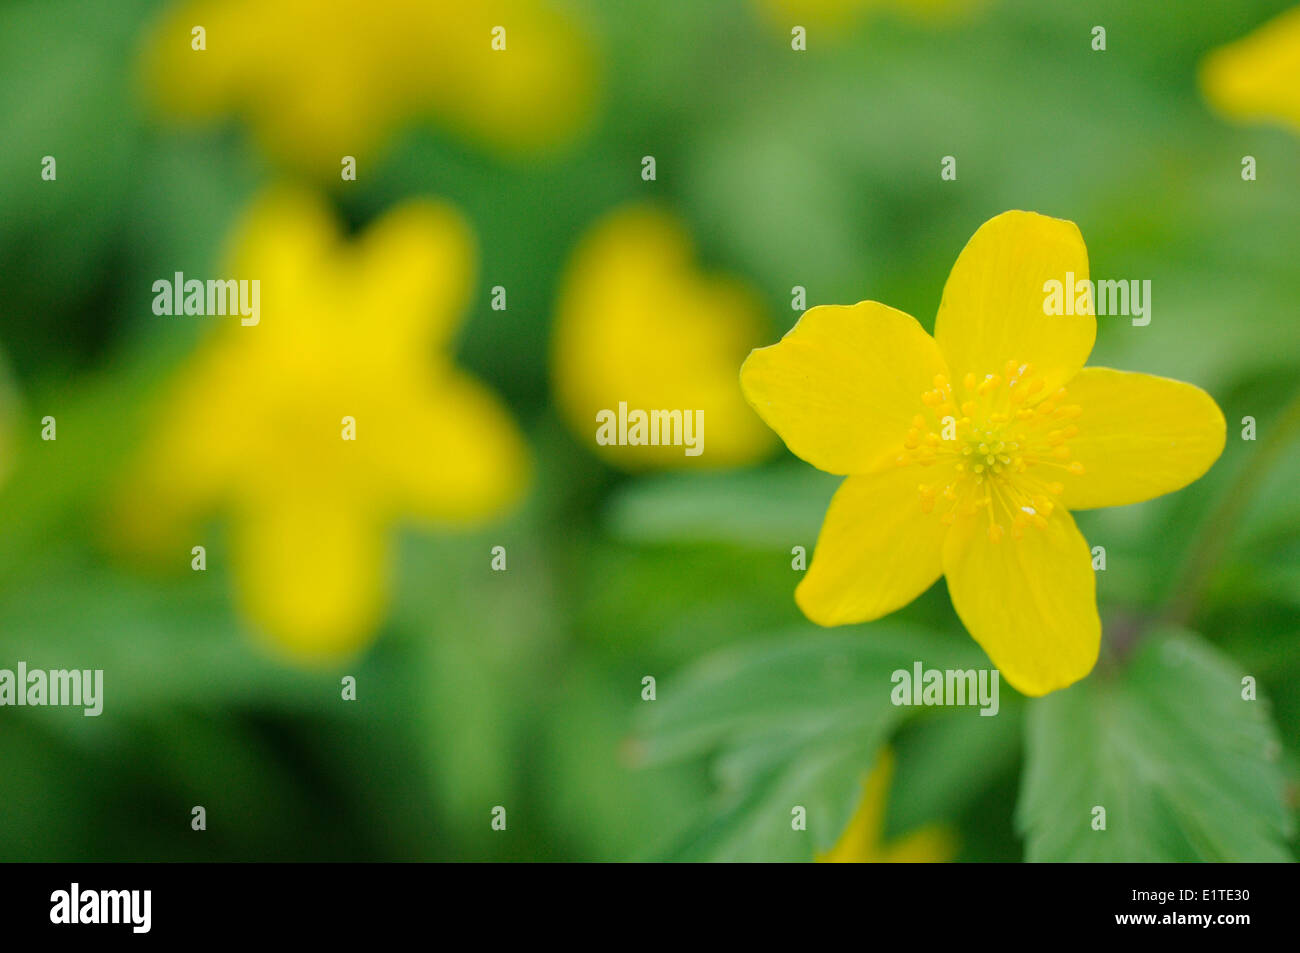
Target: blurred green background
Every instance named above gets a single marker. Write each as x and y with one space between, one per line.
817 168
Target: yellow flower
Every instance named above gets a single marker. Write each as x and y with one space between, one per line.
321 79
966 451
254 424
640 325
860 842
1257 78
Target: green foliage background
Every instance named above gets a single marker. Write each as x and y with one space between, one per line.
817 168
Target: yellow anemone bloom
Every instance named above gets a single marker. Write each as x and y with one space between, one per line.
1257 78
640 325
321 79
965 451
860 842
337 415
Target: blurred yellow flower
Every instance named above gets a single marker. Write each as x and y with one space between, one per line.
860 842
321 79
640 325
337 415
967 450
1257 78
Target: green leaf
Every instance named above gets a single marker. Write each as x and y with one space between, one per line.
1186 769
590 790
796 720
160 643
778 507
65 93
947 761
474 641
753 823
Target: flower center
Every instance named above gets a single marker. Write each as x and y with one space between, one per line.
997 446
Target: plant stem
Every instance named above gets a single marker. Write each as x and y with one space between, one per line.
1216 532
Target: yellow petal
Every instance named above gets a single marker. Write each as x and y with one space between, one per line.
1258 77
1030 602
832 16
932 844
992 310
455 457
1139 436
311 573
860 841
190 457
877 550
286 240
842 387
417 265
639 322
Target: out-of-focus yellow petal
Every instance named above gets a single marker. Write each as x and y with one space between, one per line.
287 240
932 844
877 550
1258 76
535 95
817 14
1139 436
992 310
191 456
456 457
321 79
861 841
639 323
843 386
1030 602
416 269
312 573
